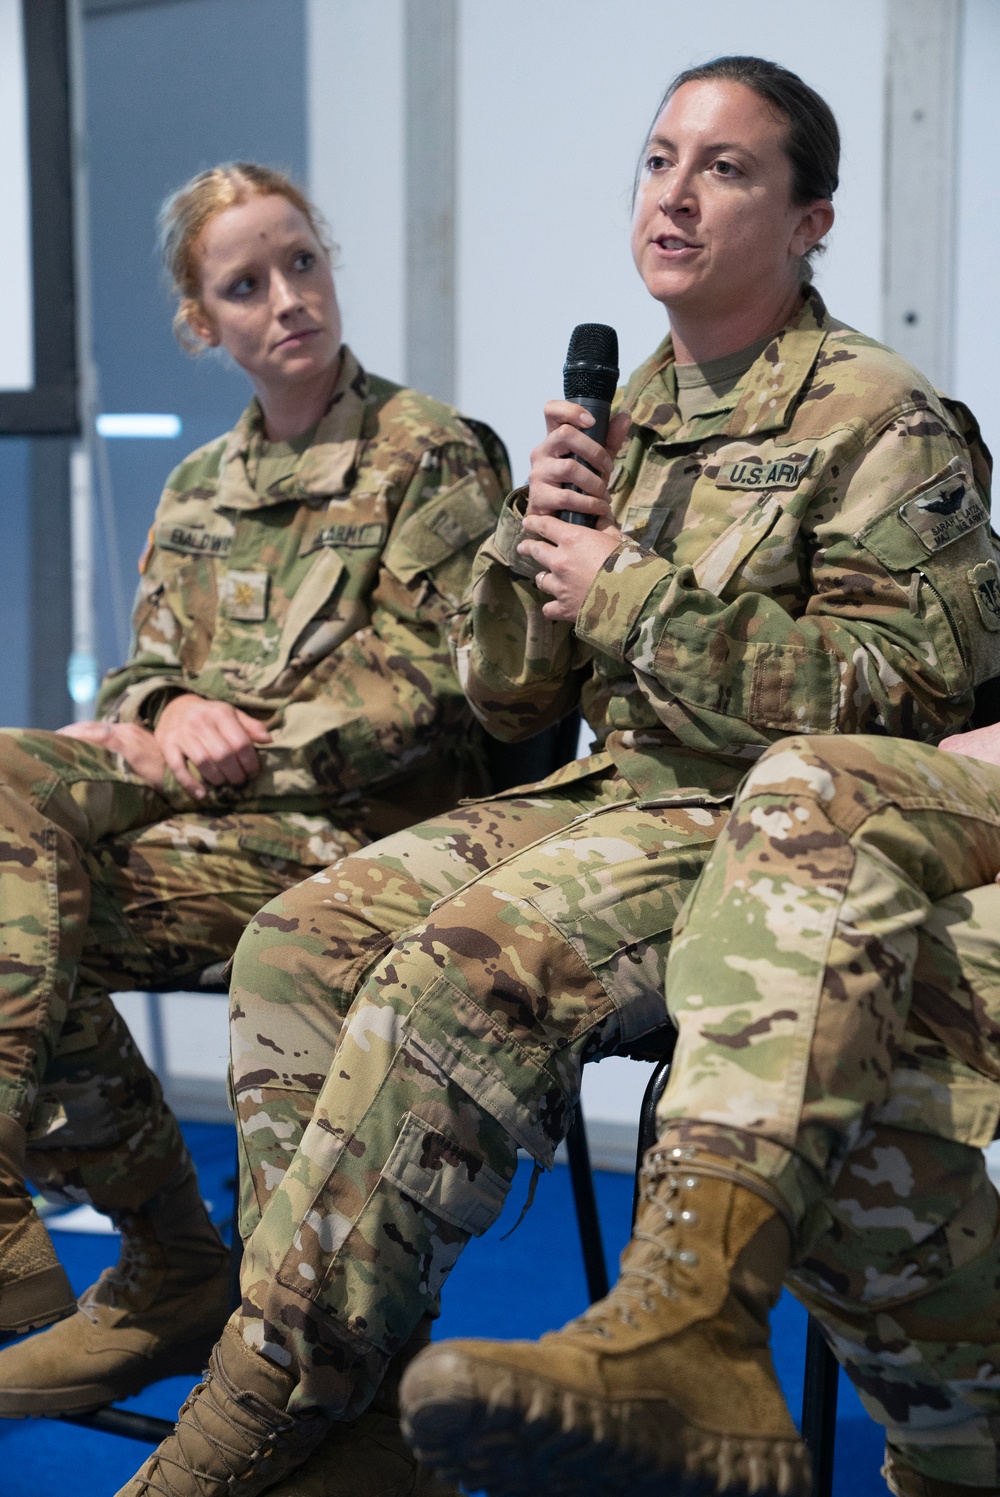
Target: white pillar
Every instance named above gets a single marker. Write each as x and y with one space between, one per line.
82 670
431 36
921 111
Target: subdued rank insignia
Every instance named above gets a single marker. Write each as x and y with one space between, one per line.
752 473
244 596
945 512
985 583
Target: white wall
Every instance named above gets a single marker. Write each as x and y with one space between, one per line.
977 305
552 119
354 78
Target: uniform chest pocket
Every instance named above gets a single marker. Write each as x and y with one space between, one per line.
726 555
313 594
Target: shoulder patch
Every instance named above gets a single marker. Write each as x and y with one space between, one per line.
985 583
946 510
754 473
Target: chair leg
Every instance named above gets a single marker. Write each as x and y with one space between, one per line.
647 1121
235 1243
582 1179
819 1408
125 1422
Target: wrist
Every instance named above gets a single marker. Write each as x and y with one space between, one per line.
617 598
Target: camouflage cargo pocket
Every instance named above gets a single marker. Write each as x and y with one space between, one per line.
450 1181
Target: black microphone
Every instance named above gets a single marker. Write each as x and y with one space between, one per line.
590 378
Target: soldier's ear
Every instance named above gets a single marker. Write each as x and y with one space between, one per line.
193 314
815 222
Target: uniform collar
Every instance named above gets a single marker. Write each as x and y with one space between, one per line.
762 401
327 466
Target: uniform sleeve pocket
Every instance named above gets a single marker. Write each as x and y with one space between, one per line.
786 688
455 519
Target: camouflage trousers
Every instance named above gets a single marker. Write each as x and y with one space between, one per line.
405 1021
836 985
104 885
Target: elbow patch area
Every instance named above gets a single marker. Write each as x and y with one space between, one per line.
786 688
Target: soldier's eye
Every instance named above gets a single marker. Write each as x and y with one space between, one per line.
243 287
656 163
305 260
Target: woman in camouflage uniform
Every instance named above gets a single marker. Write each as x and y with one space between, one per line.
836 985
789 539
289 695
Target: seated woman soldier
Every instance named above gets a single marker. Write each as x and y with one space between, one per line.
836 986
289 696
785 543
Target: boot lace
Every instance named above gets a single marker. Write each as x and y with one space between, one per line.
235 1460
120 1283
652 1264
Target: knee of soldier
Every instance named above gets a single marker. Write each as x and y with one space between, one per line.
295 974
848 776
23 760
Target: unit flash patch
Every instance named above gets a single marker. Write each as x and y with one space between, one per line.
985 583
946 511
244 596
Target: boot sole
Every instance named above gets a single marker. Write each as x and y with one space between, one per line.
34 1302
190 1359
512 1435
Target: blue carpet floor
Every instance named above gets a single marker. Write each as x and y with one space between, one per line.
528 1284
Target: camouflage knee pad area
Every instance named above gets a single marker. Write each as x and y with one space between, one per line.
792 974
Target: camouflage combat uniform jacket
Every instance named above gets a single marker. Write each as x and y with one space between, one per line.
812 555
321 605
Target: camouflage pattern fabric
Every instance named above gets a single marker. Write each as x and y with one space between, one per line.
812 555
404 1021
836 985
318 597
103 887
312 585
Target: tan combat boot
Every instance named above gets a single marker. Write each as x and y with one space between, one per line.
367 1456
668 1379
233 1432
157 1313
903 1481
34 1289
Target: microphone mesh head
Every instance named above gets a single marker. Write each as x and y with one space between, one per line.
591 368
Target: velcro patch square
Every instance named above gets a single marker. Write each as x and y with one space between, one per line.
985 583
244 596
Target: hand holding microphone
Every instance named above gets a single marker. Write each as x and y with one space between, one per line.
572 544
